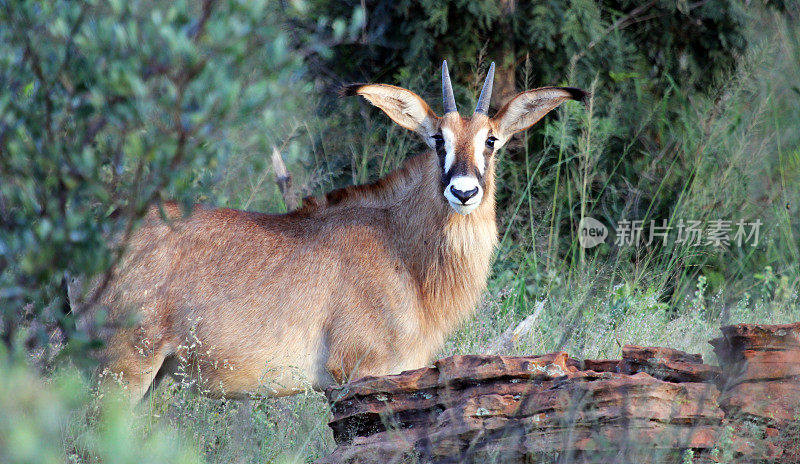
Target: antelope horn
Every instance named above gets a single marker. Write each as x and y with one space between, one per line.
447 91
486 92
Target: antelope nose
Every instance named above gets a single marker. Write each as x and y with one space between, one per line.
462 195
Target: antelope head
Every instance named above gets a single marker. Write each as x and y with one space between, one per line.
465 146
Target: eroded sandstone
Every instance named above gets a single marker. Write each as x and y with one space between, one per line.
653 405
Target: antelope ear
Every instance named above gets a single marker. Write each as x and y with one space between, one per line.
527 108
404 106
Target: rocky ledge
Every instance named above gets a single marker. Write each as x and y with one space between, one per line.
653 405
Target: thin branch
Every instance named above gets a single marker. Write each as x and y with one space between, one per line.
509 338
284 180
198 29
68 47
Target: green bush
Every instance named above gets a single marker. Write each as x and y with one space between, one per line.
111 107
617 41
56 420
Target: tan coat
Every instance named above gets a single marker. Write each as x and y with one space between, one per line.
367 280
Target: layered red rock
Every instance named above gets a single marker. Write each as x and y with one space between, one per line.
750 352
602 365
761 381
662 363
761 371
667 364
652 405
508 408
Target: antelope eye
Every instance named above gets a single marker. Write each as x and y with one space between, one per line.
438 140
490 142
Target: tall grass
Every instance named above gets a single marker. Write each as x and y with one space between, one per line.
723 157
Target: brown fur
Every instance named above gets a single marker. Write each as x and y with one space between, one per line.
367 280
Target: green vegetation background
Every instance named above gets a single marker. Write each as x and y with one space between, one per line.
110 107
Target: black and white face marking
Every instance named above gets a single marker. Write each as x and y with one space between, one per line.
464 167
464 146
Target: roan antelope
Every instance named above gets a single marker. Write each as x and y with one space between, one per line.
368 279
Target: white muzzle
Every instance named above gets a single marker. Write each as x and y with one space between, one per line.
464 193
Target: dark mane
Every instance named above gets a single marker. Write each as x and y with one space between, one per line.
382 190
